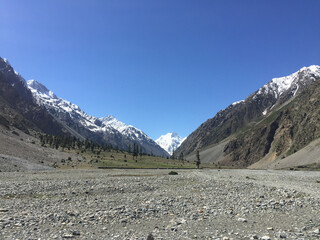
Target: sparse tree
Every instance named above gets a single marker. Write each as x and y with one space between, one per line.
135 151
140 152
181 156
198 158
173 156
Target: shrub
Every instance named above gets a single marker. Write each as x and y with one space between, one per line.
173 173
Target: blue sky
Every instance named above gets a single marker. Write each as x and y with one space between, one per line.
160 65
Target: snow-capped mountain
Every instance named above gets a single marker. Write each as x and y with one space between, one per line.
134 134
170 141
57 106
18 107
259 104
80 123
278 86
282 89
106 130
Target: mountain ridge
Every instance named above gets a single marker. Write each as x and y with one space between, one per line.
134 134
246 113
98 130
18 108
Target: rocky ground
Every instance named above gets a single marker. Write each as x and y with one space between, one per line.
150 204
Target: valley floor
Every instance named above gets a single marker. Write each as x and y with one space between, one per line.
132 204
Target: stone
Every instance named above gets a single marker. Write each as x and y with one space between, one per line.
242 220
150 237
282 235
265 238
67 235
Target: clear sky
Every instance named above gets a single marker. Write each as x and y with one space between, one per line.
159 65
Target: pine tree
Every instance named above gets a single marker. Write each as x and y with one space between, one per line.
181 157
135 150
198 158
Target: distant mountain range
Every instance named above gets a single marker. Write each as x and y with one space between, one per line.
69 118
170 141
277 120
277 126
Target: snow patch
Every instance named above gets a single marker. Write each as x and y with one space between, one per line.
265 112
235 103
296 90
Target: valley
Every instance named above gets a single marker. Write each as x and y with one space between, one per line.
159 120
271 129
22 152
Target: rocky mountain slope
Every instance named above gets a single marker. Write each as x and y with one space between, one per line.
30 105
105 130
18 108
282 133
74 118
170 141
278 119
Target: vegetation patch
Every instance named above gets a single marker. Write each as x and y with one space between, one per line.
247 177
307 167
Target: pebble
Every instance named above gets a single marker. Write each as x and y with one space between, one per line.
265 238
116 204
242 220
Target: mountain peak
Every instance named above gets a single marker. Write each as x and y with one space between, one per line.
35 86
115 123
4 62
108 118
278 86
170 141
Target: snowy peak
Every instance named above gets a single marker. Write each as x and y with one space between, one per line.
170 141
128 130
40 89
115 123
59 106
277 86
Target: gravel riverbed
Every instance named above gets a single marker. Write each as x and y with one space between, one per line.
150 204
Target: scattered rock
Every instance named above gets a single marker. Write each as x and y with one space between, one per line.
68 236
317 231
265 238
201 205
242 220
